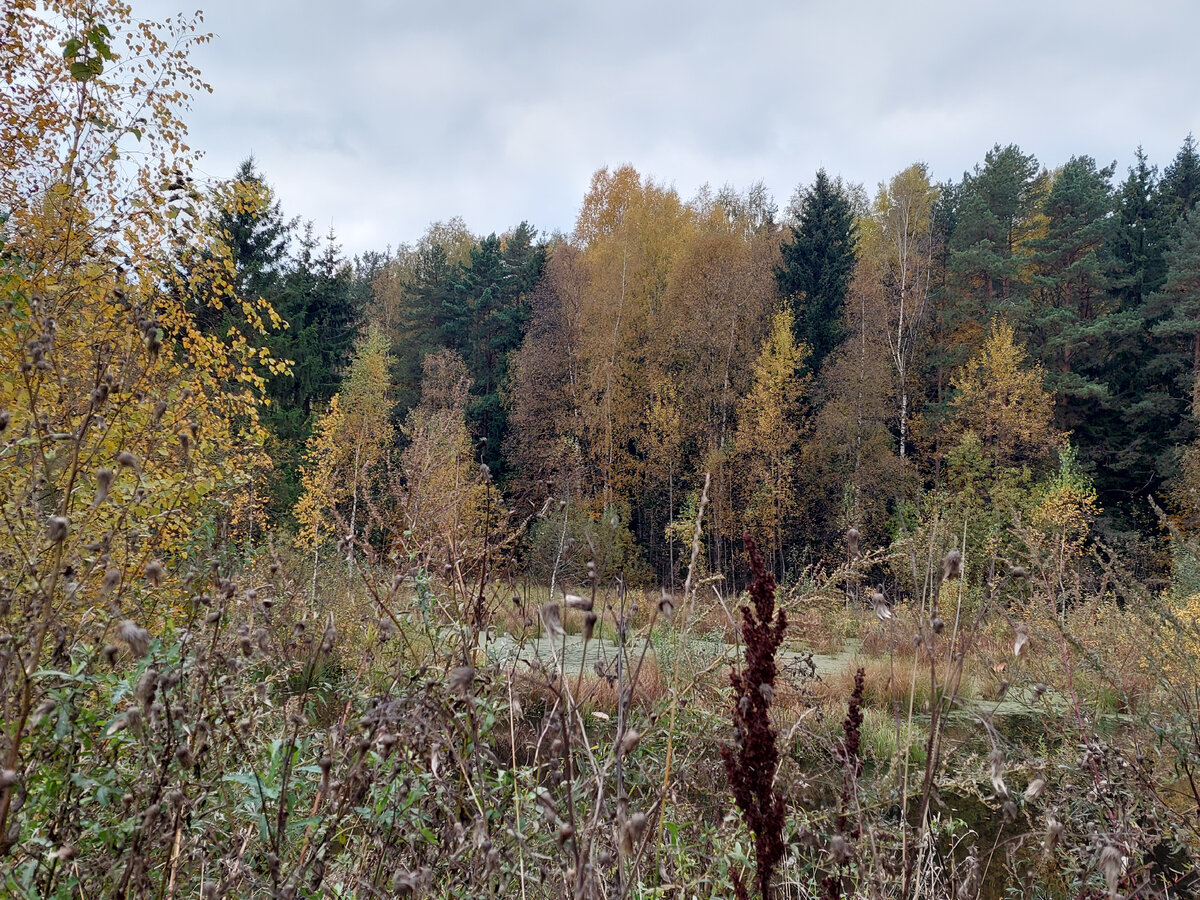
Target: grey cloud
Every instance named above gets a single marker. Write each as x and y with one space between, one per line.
379 117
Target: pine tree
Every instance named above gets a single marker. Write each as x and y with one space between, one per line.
997 206
249 221
318 300
818 262
1066 313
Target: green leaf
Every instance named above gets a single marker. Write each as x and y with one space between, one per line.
71 48
86 71
96 37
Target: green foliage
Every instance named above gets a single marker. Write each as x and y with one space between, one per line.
562 543
818 262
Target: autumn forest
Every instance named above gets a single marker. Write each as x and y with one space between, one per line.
1016 340
847 547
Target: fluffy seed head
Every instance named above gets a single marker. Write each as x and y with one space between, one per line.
135 637
630 741
839 850
952 565
1021 641
996 763
574 601
565 833
552 619
104 481
56 529
460 679
635 826
1111 865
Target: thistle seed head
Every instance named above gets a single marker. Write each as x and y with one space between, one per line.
630 741
1112 866
552 618
56 529
135 637
839 850
1021 641
146 687
565 833
1054 832
460 679
104 482
44 709
666 606
574 601
996 763
952 565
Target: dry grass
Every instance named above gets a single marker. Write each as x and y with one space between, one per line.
811 627
888 685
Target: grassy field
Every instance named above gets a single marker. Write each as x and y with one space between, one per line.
401 736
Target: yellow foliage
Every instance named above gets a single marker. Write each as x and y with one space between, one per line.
1000 396
448 503
348 444
125 423
767 434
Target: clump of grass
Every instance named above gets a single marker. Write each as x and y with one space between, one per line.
812 630
886 738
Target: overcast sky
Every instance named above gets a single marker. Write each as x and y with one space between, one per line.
380 116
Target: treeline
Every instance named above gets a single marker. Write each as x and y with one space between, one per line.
1020 345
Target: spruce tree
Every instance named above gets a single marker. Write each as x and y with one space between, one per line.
496 287
818 262
1180 186
1134 424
